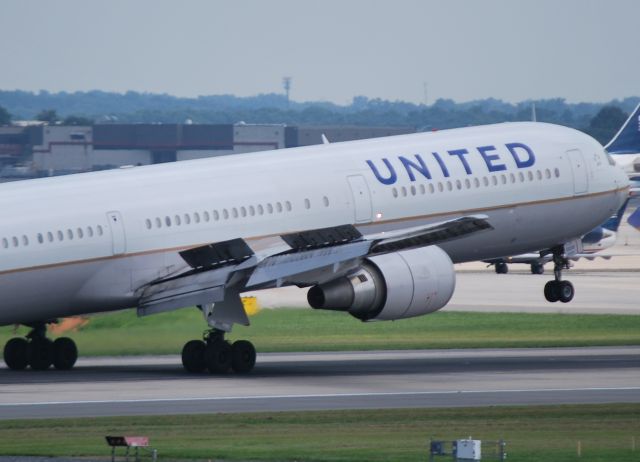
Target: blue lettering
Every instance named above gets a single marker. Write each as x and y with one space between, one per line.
443 167
420 167
392 178
490 158
519 162
461 153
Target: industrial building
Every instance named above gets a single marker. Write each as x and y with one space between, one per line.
49 150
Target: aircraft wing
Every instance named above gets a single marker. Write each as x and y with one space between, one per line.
317 256
303 258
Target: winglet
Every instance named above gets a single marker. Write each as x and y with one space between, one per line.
325 140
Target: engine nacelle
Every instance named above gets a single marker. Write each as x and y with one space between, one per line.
392 286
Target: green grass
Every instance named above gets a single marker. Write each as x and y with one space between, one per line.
123 333
540 433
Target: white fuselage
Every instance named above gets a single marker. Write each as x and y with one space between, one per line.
88 242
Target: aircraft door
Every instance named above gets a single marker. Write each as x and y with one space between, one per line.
579 171
361 198
118 237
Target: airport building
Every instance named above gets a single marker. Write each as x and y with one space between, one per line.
49 150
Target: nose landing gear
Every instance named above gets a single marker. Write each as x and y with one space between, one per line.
559 290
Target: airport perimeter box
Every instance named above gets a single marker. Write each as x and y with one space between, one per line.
468 450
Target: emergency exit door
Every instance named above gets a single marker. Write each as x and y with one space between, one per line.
118 237
361 198
579 171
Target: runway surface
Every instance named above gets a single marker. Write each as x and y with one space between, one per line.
314 381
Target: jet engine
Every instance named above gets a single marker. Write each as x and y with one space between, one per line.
391 286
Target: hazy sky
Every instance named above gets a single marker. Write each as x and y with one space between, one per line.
581 50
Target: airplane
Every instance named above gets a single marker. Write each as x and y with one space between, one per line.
634 219
599 238
624 149
371 227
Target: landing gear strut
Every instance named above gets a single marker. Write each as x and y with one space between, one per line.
559 290
39 352
217 355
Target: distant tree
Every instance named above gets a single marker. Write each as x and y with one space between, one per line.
604 125
48 115
5 117
77 120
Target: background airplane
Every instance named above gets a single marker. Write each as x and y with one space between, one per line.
624 148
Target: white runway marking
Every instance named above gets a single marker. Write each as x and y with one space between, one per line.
327 395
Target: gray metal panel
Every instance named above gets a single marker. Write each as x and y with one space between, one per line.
218 136
114 136
164 135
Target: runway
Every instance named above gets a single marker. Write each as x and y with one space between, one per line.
322 381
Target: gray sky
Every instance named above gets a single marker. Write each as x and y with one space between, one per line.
581 50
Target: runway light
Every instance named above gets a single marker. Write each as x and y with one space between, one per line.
378 216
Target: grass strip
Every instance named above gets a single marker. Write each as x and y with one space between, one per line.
549 433
285 330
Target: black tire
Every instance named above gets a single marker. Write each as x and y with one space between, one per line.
193 356
551 292
40 354
502 268
537 268
565 291
243 355
15 354
65 353
217 357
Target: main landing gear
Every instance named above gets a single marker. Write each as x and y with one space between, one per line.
39 352
559 290
217 355
501 268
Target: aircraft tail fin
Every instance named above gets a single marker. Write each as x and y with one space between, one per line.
634 219
613 223
627 140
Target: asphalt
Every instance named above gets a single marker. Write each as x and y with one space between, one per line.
324 381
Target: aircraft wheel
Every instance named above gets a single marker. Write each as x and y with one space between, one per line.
65 353
243 356
537 268
502 268
15 354
551 292
217 357
40 354
193 356
565 291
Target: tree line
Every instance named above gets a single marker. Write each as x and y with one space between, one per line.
83 108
